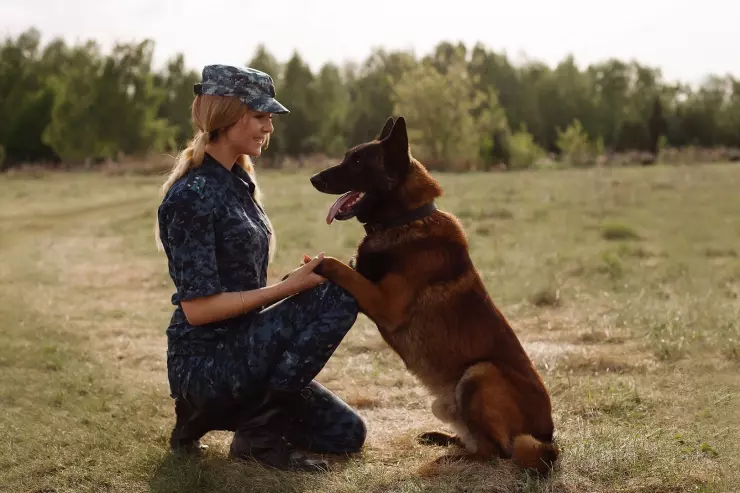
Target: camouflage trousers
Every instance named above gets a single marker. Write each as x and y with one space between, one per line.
283 348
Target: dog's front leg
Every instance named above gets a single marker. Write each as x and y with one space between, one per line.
373 299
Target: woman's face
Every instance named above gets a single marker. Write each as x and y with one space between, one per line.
249 134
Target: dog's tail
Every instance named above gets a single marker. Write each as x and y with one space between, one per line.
530 453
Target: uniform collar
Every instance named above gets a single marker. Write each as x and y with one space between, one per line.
210 163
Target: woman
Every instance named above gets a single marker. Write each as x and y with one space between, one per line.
232 363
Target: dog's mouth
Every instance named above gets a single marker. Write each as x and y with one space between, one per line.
345 207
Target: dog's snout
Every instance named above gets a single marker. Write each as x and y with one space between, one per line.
317 181
331 180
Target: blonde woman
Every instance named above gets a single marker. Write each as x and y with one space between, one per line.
242 355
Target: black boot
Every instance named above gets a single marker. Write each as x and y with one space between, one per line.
259 436
190 426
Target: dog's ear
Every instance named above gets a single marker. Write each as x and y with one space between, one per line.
396 149
397 142
386 129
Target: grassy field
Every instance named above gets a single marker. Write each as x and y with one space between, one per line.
623 284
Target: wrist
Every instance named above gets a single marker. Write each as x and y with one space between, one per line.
243 306
284 288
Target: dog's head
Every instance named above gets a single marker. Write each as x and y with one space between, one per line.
369 174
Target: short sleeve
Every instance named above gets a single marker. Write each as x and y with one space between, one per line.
191 244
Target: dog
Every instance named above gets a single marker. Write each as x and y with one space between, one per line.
413 277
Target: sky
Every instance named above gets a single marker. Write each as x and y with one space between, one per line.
686 39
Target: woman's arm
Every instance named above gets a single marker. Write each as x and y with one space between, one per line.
221 306
187 219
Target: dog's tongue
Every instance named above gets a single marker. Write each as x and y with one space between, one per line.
334 209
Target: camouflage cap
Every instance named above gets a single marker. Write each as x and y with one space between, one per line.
253 87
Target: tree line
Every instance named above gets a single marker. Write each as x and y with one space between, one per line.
467 107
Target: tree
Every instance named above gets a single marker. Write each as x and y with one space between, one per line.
72 131
75 103
298 95
176 85
331 112
105 106
264 61
25 97
370 88
494 130
439 111
656 125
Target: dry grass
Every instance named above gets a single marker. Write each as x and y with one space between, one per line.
622 283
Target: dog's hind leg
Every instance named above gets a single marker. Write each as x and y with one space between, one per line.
439 439
444 408
488 411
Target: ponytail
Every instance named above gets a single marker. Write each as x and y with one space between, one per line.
199 148
189 158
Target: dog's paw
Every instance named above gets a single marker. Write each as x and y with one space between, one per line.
438 438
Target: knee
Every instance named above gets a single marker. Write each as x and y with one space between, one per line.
356 436
341 301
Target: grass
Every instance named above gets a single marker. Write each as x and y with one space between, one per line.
618 231
623 285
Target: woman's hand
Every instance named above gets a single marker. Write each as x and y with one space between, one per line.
304 277
225 305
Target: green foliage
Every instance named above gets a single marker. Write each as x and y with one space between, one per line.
575 146
370 88
524 151
75 103
444 130
300 97
329 86
107 105
176 85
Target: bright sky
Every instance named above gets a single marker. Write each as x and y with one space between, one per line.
686 39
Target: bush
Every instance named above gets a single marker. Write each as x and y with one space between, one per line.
575 146
523 151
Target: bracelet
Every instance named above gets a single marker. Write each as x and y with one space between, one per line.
241 295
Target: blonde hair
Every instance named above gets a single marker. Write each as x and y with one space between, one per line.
210 116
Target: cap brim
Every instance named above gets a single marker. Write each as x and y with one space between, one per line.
267 104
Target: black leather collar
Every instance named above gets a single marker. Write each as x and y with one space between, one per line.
405 218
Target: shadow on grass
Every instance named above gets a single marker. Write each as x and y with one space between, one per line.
214 472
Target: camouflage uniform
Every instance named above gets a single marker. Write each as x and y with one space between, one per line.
216 238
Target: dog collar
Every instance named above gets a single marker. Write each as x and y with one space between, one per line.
412 215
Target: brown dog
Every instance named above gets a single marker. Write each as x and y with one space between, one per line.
414 278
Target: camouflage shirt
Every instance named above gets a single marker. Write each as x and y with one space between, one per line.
216 238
